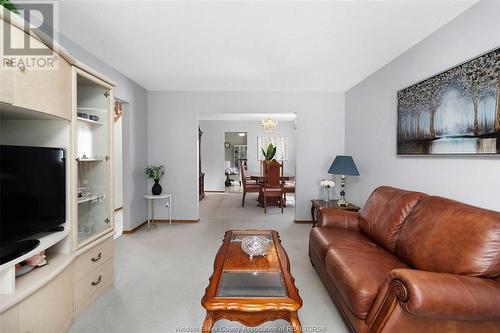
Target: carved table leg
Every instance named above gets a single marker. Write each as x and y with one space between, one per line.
295 322
208 323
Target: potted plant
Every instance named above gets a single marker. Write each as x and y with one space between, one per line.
155 172
269 153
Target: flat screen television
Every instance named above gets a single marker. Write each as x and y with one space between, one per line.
32 196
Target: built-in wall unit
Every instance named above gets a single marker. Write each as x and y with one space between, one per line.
56 187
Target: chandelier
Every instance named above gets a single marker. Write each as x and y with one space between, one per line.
269 125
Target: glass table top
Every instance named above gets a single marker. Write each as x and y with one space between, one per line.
251 284
238 236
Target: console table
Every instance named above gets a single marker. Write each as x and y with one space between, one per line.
168 203
316 204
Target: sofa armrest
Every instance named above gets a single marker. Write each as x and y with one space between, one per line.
447 296
337 218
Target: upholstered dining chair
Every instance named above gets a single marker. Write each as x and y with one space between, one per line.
273 183
249 186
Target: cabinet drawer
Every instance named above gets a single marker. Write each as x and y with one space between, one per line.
93 284
9 320
90 260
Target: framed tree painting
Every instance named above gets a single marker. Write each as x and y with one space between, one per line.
454 112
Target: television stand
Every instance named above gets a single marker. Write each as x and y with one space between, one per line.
58 228
17 249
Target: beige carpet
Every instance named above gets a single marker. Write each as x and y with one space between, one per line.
161 274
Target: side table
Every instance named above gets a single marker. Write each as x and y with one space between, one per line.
316 204
168 203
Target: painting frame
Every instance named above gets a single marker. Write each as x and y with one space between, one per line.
471 82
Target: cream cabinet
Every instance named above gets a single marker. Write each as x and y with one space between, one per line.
48 310
54 305
45 88
47 91
80 268
6 85
93 274
92 130
9 320
93 285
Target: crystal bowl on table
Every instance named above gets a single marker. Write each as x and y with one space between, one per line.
255 246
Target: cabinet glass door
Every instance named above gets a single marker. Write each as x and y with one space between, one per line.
92 158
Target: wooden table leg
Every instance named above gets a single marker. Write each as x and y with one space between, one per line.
208 323
295 322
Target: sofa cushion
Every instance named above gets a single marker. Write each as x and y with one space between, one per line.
385 212
359 273
447 236
322 239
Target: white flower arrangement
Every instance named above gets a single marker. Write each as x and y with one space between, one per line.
327 183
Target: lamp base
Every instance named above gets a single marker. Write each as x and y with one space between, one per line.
342 203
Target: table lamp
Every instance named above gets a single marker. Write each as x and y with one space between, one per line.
343 165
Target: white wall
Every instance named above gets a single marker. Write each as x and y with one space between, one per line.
212 147
134 122
371 118
173 133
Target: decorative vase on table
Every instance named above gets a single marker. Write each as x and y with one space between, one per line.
156 189
155 172
326 194
327 185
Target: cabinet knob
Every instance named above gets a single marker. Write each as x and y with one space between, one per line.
95 283
96 258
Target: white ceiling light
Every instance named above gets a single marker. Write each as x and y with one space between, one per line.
241 134
269 124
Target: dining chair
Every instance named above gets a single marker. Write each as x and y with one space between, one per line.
273 185
249 186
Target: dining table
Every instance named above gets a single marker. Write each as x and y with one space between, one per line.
259 178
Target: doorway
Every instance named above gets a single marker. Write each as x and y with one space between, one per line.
233 138
235 158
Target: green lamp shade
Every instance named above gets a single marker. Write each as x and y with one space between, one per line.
343 165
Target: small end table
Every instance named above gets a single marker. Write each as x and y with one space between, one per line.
316 204
168 203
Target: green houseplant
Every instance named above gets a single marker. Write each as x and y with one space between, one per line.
270 152
155 172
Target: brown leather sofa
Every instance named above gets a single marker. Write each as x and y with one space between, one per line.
410 262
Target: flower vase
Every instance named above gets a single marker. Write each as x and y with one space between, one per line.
156 189
326 194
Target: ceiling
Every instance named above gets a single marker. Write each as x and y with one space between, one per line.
246 116
251 45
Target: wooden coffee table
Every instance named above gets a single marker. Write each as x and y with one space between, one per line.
251 291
